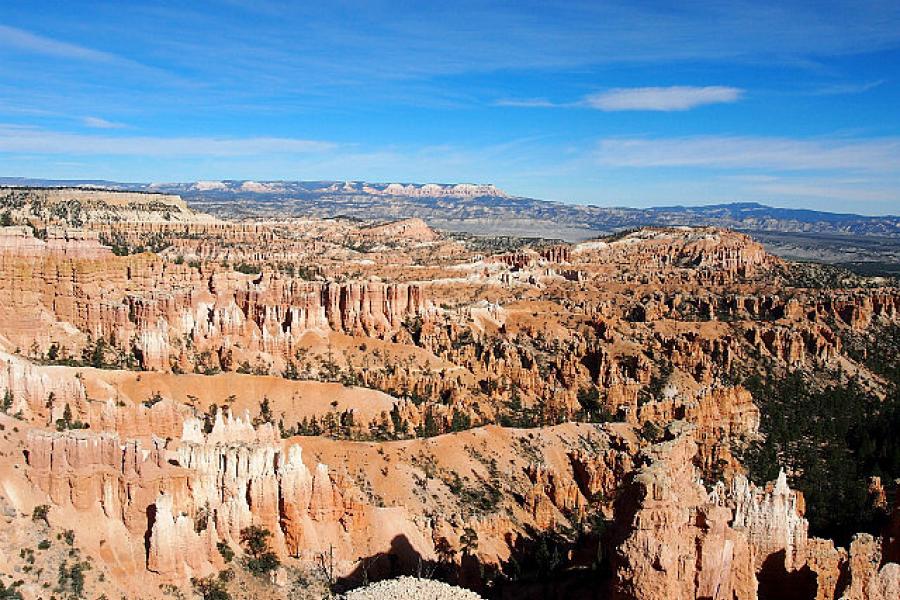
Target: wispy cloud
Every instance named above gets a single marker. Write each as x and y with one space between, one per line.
674 98
41 141
38 44
664 99
100 123
62 53
735 152
527 103
848 88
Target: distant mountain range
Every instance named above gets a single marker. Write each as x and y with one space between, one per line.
481 209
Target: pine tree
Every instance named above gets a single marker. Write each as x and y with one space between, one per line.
431 427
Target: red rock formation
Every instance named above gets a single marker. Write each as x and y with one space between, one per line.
793 346
681 542
599 476
646 328
86 470
150 307
716 255
870 577
71 243
556 254
176 550
773 520
679 545
551 493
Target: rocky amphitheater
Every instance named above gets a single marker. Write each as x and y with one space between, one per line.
303 408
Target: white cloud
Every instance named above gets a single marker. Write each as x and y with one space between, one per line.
667 99
733 152
100 123
673 98
40 141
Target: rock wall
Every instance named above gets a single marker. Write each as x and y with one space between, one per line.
679 544
740 541
188 496
144 306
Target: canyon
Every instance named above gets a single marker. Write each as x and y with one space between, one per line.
523 418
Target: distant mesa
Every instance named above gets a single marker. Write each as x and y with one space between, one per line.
83 205
205 186
414 190
434 190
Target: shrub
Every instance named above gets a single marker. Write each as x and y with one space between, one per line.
226 551
210 588
651 432
260 559
153 400
10 593
72 578
40 513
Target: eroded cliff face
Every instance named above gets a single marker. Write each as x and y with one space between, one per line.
677 537
187 496
168 316
179 500
679 542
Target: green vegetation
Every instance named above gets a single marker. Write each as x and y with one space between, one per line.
260 559
122 246
814 275
483 499
829 441
247 269
651 432
210 588
11 592
265 413
153 400
592 408
71 578
100 354
658 381
226 551
40 513
67 422
469 541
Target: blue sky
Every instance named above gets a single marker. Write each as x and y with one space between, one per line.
611 103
